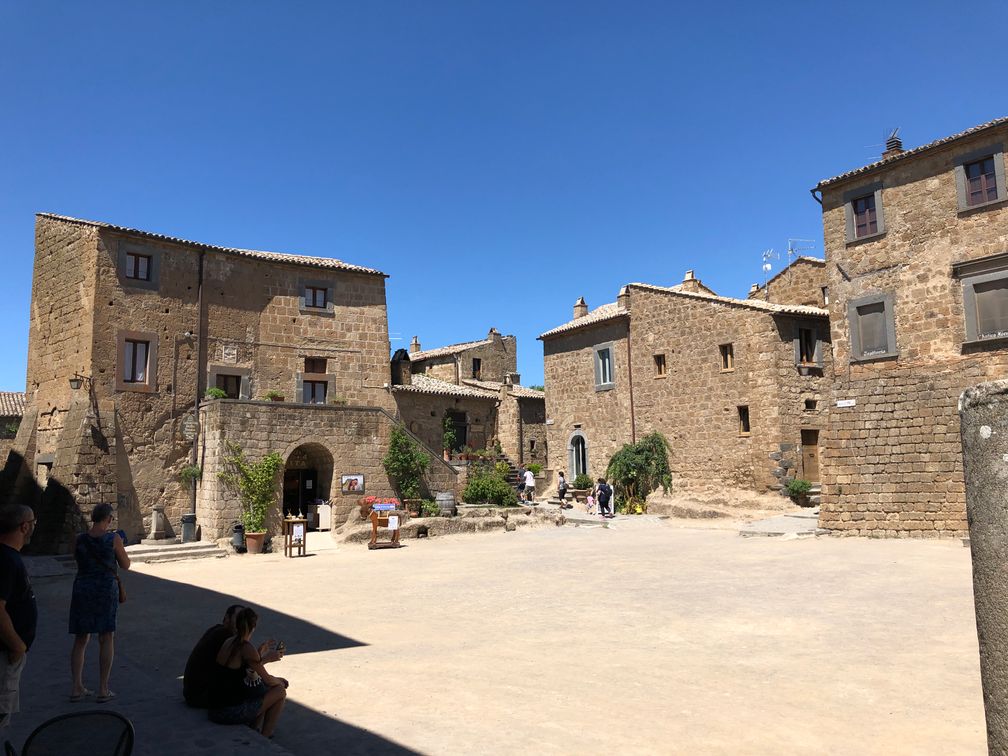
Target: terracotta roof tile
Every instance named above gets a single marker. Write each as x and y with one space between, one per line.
447 350
523 392
910 153
423 384
280 257
752 304
12 403
606 312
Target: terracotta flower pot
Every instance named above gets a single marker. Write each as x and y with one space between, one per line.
254 542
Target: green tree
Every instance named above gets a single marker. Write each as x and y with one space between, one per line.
448 437
254 482
638 469
405 464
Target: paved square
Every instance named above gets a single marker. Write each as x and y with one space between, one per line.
642 638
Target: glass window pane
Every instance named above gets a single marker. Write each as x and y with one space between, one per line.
992 308
128 359
141 361
142 268
872 329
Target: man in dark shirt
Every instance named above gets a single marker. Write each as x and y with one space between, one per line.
196 680
18 610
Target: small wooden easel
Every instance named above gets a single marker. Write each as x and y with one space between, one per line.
295 533
382 516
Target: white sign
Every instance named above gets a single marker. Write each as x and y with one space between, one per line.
846 402
393 522
298 533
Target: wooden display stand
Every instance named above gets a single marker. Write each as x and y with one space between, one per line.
295 533
381 515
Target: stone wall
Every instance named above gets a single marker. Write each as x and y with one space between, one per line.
695 404
573 404
894 466
497 359
800 283
423 415
521 428
355 438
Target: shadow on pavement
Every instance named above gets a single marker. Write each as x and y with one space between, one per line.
157 627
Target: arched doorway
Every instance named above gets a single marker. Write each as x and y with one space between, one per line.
577 454
307 479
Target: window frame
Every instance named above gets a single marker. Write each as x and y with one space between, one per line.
330 306
970 273
850 234
149 385
817 353
132 266
153 280
597 350
245 374
856 353
726 357
994 151
312 362
744 420
477 368
306 384
660 365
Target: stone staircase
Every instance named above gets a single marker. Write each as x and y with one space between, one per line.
168 552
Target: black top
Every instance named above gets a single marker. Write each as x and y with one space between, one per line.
604 493
200 667
16 590
229 687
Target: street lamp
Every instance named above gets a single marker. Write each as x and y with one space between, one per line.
77 380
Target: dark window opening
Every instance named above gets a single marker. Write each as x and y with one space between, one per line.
807 346
872 329
531 444
659 364
865 216
315 392
981 185
315 364
135 361
810 404
727 357
477 367
743 418
138 266
991 308
315 296
230 385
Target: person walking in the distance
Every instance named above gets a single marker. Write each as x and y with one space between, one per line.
18 610
530 486
95 600
604 497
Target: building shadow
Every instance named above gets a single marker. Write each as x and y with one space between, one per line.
157 627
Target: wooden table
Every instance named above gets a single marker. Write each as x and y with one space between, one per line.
295 532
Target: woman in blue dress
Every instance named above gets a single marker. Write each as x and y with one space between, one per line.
95 600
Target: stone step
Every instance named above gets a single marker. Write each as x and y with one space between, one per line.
162 553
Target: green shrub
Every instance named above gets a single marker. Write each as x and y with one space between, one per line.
448 437
535 467
405 463
429 508
638 469
502 469
190 473
797 488
254 482
274 394
215 393
488 488
583 481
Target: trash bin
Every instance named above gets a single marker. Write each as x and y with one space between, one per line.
238 539
188 528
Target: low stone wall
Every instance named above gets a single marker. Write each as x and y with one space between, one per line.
470 519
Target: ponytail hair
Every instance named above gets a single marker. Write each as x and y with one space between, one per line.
245 621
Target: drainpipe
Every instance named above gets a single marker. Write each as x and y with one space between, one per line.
199 376
629 363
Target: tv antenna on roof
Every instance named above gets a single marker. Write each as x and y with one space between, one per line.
768 255
796 246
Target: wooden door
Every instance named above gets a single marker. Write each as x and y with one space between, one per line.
810 455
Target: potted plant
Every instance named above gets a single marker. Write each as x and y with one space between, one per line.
798 490
256 486
215 393
536 468
189 473
274 396
583 483
448 437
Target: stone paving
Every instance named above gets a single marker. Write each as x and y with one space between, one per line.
636 638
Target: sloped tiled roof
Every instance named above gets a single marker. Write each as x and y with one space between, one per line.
606 312
752 304
520 391
12 403
447 350
280 257
423 384
910 153
801 258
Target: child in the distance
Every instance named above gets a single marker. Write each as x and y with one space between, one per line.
590 504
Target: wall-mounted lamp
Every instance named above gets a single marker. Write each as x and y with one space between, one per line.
188 334
77 380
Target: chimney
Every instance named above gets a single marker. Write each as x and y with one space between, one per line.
893 145
580 308
623 299
414 345
494 334
689 276
690 282
512 379
753 289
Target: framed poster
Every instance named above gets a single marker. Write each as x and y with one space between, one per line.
352 484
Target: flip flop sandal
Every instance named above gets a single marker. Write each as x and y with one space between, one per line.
105 698
78 697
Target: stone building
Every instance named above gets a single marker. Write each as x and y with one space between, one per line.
11 411
738 386
802 282
917 263
475 386
129 328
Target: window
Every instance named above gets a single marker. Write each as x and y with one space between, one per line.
825 295
743 420
604 367
138 266
477 365
980 177
135 361
314 392
230 385
807 347
811 404
863 213
727 357
865 217
659 365
985 297
531 445
315 296
315 364
578 455
872 327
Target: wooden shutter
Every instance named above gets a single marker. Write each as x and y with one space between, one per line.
872 328
992 308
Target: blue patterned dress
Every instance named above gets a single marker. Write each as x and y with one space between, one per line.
95 597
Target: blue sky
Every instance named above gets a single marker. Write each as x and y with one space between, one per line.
497 159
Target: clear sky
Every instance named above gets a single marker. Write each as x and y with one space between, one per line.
497 159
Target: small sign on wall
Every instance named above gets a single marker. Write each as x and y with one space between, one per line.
846 402
229 353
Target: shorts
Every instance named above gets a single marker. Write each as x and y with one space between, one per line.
10 682
243 713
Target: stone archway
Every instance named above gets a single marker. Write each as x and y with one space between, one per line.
577 454
307 477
